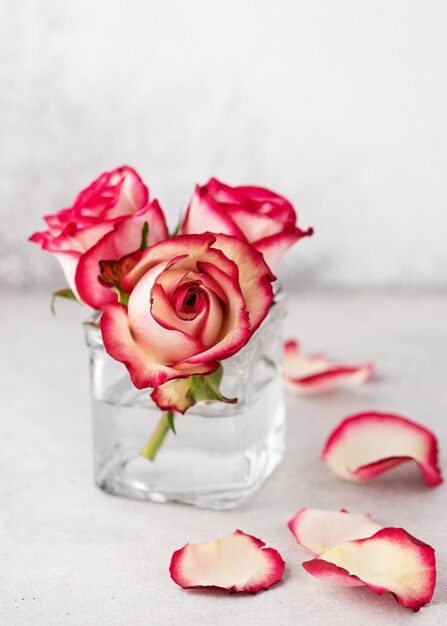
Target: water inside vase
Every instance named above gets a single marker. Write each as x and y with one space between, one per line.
221 452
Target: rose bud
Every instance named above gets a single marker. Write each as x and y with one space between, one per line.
252 214
97 210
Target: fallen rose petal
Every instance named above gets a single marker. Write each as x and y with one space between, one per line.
389 561
319 530
238 562
368 444
314 374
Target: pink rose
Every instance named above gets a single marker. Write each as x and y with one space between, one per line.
113 197
192 301
252 214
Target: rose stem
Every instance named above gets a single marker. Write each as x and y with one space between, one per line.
158 436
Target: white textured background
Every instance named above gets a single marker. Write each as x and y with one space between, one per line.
339 105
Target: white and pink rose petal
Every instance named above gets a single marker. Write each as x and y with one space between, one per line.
236 563
364 446
307 375
319 530
391 561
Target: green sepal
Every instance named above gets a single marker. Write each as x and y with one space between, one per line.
91 323
123 296
170 419
180 394
64 292
206 388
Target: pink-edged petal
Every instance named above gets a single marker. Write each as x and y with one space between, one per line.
167 343
82 238
121 345
208 323
188 247
69 262
204 210
119 192
222 193
210 284
164 314
258 199
213 321
269 202
187 369
238 562
124 239
255 276
392 561
274 247
133 193
73 238
331 573
306 375
366 445
235 330
319 530
145 370
255 225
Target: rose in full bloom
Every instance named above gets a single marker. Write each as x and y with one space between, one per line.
253 214
192 301
113 197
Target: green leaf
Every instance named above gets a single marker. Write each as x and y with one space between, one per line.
269 362
144 234
65 292
176 230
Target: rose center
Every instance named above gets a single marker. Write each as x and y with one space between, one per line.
188 301
190 304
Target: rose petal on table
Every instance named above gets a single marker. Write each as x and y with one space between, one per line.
314 374
319 530
368 444
238 562
389 561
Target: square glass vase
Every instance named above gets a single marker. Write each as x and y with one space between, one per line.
221 454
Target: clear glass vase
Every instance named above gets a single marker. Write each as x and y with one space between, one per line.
221 454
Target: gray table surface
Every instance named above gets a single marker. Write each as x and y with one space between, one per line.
71 554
